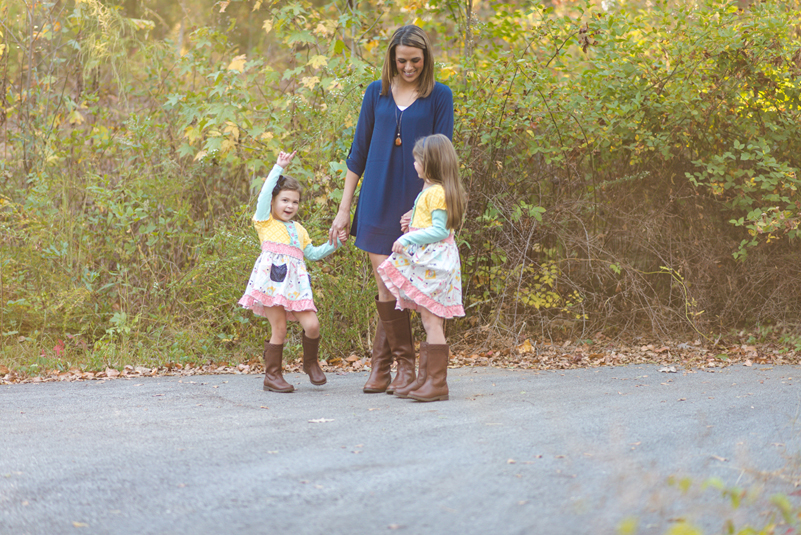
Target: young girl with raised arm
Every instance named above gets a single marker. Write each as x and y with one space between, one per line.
279 287
424 272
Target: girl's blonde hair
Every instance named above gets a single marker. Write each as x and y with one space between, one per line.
413 36
440 164
286 182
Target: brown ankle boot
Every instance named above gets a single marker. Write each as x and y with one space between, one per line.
398 328
421 374
311 364
380 364
273 360
435 387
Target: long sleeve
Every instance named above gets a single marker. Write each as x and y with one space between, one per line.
266 195
357 158
436 232
443 113
315 253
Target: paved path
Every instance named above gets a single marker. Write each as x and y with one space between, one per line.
511 452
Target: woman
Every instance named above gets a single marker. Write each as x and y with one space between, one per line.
405 105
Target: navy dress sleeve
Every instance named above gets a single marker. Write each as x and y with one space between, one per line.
389 181
357 158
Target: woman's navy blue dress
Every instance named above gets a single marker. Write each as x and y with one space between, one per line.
389 182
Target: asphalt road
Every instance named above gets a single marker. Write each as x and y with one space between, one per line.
522 452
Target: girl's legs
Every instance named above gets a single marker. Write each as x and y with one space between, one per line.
435 375
308 320
434 326
393 339
274 352
311 346
277 318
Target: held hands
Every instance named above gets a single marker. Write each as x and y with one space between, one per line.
340 228
285 158
405 220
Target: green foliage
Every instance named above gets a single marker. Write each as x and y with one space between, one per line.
597 146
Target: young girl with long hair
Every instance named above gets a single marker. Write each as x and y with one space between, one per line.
424 271
279 287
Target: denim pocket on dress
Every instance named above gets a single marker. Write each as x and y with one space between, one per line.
278 272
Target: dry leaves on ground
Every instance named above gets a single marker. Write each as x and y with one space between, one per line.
525 356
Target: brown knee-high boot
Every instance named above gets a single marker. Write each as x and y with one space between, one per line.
435 387
398 329
311 364
273 360
380 363
421 374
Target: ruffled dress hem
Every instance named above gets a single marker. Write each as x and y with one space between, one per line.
401 288
257 301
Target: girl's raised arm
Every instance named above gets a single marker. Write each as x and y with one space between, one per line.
266 194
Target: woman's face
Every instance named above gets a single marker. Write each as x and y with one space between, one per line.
410 62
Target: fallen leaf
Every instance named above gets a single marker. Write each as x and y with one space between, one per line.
721 459
511 461
320 421
80 525
525 347
668 369
264 407
747 362
682 399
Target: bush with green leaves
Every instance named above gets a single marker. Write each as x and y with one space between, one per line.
629 169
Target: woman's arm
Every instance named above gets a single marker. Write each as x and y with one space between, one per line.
342 219
356 161
443 112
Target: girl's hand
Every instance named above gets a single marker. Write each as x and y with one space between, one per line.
405 220
340 226
284 158
397 247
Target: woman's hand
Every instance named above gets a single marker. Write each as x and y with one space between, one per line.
405 220
284 158
397 247
340 227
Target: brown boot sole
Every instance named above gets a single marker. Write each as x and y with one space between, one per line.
434 398
373 390
318 384
281 391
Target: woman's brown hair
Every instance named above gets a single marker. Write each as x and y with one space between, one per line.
413 36
440 164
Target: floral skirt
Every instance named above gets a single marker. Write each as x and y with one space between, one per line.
426 276
279 278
